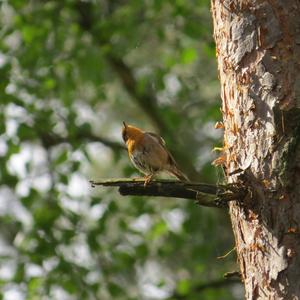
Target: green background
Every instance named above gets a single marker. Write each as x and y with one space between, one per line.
70 73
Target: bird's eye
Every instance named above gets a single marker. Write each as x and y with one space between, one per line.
124 136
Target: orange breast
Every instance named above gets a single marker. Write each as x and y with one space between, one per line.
135 144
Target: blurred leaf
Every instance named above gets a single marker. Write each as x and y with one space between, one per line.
26 132
29 200
34 285
62 157
115 290
159 229
184 287
20 273
188 55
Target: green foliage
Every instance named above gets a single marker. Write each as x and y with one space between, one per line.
71 72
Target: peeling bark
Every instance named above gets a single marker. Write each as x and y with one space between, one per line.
258 50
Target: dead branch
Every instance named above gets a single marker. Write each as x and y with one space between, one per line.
204 194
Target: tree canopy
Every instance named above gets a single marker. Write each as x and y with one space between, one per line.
71 72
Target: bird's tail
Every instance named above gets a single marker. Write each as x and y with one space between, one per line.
177 173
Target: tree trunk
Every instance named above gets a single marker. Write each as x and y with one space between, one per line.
258 50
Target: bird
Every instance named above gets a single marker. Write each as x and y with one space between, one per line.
148 153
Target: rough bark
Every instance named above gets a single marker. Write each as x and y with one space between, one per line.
258 50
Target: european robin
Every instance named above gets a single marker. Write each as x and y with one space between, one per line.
148 153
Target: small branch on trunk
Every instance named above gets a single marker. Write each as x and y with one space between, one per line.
204 194
233 274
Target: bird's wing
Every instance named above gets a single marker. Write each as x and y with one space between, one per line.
173 167
162 142
158 138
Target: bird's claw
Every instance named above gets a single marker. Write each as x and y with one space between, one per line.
147 179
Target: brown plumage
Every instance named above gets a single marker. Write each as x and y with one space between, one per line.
148 153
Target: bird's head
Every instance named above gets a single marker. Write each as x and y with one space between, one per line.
130 132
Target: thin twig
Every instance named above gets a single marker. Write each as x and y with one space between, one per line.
226 254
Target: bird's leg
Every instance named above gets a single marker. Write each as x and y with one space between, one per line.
148 179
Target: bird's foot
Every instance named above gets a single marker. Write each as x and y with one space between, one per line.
148 179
